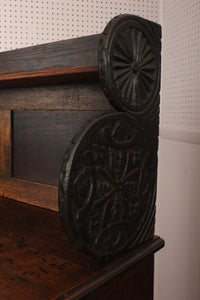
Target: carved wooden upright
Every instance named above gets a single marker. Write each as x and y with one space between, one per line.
108 179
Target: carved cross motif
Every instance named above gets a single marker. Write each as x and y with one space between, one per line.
109 184
108 180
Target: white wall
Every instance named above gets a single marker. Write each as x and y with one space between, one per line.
177 270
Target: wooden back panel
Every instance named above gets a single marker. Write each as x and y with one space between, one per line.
39 114
47 92
108 175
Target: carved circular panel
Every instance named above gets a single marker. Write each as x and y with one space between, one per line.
129 63
107 186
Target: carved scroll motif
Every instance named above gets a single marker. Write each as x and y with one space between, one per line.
109 184
108 180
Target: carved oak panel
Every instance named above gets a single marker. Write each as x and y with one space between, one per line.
129 65
107 186
108 180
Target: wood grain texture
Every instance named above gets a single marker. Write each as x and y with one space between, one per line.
79 52
34 193
40 140
65 60
5 143
82 96
116 268
135 283
38 262
59 76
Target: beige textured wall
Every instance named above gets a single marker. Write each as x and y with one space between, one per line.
30 22
177 270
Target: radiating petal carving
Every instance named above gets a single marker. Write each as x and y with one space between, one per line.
129 65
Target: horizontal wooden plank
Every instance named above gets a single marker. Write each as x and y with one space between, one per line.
115 268
74 96
73 60
61 76
34 193
72 53
5 143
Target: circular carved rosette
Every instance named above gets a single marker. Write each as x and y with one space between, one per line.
107 186
129 64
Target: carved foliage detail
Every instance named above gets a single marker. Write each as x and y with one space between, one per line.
107 187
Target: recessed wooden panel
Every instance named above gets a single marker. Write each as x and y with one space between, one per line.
40 139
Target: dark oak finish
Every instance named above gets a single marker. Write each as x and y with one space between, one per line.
81 96
48 95
108 180
74 59
129 65
37 262
30 192
72 97
79 52
138 282
78 74
5 143
40 140
108 186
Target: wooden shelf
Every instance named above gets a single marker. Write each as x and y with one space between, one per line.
37 262
73 60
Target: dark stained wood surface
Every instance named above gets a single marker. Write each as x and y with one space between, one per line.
71 53
58 60
34 193
59 76
5 143
129 65
37 262
135 283
40 140
107 186
81 96
36 259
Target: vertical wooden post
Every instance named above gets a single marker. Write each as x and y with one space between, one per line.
5 143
